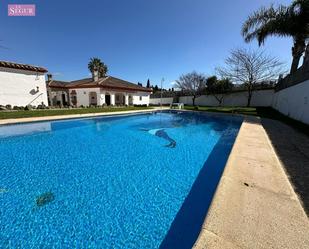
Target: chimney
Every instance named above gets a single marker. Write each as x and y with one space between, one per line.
49 77
95 74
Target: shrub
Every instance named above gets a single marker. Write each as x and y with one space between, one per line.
42 106
140 105
17 108
8 107
28 108
2 108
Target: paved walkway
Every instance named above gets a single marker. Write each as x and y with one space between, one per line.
292 149
255 205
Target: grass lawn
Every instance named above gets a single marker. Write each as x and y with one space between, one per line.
54 112
264 112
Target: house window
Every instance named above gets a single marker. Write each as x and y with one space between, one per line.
140 98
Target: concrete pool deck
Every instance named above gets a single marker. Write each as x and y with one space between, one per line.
255 205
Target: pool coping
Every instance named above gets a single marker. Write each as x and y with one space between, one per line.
74 116
255 205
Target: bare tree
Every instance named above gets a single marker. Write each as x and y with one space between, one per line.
193 82
251 67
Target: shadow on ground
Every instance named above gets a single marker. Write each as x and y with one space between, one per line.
292 148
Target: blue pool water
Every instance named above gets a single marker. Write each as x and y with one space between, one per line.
140 181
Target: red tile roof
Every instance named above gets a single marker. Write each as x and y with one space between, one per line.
57 84
22 66
107 82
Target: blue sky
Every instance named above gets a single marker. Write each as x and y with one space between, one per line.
137 39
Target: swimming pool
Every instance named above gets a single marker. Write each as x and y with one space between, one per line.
138 181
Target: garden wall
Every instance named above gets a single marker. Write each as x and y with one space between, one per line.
259 98
293 101
157 101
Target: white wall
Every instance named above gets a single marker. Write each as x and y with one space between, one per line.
141 98
259 98
19 87
293 101
165 101
82 95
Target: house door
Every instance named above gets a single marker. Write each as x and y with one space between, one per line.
107 99
63 99
93 98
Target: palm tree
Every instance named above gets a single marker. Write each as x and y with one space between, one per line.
96 63
291 21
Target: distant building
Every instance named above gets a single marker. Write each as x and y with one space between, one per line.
96 91
22 84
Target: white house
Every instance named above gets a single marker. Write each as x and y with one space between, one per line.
22 84
96 91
